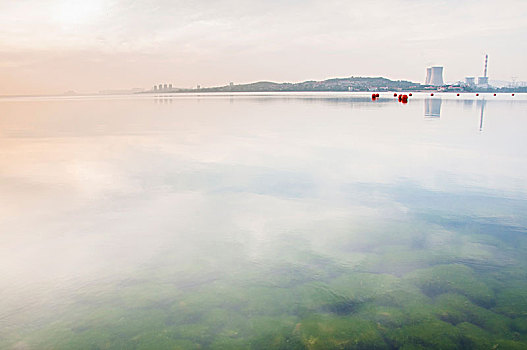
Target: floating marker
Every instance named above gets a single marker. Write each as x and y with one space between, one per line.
395 95
432 94
457 94
512 94
494 94
410 94
477 94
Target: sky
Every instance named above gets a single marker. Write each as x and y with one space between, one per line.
53 46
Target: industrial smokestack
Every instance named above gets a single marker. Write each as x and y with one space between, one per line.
486 61
484 80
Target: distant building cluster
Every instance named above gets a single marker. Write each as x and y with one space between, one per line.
162 88
483 82
434 77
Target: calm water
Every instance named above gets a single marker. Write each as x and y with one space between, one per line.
289 221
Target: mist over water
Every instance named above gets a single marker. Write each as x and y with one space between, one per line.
309 221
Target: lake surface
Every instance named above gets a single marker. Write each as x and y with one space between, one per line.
263 221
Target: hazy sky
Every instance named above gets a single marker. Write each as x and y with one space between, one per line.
50 46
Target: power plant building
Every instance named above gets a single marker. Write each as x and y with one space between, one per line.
483 81
470 81
434 76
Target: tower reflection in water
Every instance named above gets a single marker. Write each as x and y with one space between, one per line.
433 107
482 110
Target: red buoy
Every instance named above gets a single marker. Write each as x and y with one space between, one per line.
458 94
395 95
512 94
432 94
477 94
494 94
410 94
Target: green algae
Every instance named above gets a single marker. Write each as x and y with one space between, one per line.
520 325
474 337
364 285
352 311
335 332
456 309
453 278
421 303
512 301
430 334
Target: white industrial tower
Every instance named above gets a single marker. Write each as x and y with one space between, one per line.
434 76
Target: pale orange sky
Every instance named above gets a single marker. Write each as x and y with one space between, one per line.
87 46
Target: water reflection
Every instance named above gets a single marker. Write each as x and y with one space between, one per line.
482 109
260 222
163 99
468 103
433 107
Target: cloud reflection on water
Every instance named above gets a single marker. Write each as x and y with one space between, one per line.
100 192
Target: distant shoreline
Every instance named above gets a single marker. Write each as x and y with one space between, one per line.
192 91
351 84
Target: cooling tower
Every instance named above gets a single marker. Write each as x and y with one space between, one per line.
435 77
428 75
